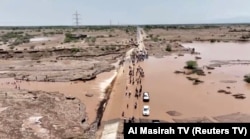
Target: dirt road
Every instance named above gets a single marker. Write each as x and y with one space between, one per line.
122 99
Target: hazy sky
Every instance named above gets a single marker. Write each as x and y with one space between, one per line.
100 12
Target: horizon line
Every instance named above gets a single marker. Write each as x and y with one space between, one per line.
174 24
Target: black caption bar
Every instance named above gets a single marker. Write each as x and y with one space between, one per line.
163 130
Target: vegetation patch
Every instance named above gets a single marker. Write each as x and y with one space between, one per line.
168 48
75 50
16 38
247 78
191 64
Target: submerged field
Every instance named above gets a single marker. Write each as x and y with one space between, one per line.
215 96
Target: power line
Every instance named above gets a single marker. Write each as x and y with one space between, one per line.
76 18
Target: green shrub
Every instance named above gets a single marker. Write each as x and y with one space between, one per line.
155 39
32 46
191 64
212 40
75 50
68 38
93 39
247 78
112 47
100 36
12 47
168 48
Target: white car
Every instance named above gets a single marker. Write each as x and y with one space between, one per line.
146 110
145 96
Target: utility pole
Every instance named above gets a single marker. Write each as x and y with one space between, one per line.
110 22
76 18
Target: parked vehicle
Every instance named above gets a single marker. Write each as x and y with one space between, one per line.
145 96
146 110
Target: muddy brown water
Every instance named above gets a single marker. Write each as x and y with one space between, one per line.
73 89
174 92
221 51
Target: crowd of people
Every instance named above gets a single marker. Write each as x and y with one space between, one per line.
136 74
15 84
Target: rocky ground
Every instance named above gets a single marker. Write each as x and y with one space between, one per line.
53 70
50 58
190 33
37 114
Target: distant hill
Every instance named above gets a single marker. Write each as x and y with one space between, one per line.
242 19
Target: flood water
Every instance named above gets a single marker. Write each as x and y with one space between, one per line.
41 39
174 92
74 89
221 51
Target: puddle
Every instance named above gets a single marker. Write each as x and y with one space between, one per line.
4 71
40 39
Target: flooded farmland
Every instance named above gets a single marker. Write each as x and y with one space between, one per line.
174 92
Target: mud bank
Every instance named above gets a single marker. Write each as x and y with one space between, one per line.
73 91
103 103
90 92
53 71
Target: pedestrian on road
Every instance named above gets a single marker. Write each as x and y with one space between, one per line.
133 119
129 94
127 106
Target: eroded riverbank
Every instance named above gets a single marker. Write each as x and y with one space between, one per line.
90 93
